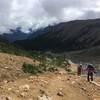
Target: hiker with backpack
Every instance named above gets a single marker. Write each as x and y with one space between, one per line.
90 72
79 70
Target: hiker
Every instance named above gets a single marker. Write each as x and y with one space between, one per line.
90 72
79 70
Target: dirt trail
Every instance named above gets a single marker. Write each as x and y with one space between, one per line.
53 86
92 89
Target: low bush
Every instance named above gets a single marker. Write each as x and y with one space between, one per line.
29 68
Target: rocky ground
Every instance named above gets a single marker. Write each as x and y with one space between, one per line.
10 66
50 87
15 85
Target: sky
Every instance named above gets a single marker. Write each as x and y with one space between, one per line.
41 13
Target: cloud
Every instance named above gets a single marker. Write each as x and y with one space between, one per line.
91 15
40 13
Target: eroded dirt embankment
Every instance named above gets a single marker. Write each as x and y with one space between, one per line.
11 66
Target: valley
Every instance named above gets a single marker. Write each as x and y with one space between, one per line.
43 65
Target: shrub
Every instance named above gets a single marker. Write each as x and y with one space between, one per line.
29 68
52 69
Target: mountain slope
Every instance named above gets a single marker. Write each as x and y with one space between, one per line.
10 66
91 55
14 35
74 35
3 39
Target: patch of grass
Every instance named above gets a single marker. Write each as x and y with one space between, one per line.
47 64
32 69
29 68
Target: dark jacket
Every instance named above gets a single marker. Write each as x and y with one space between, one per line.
90 69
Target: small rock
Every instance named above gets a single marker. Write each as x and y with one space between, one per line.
9 98
44 81
24 88
73 82
17 91
15 85
79 83
60 93
6 81
42 92
61 72
18 69
83 88
30 99
31 77
1 87
23 94
44 97
42 85
6 67
9 89
68 79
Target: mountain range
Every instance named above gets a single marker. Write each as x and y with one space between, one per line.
67 36
15 34
76 39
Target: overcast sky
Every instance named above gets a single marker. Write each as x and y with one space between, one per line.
40 13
